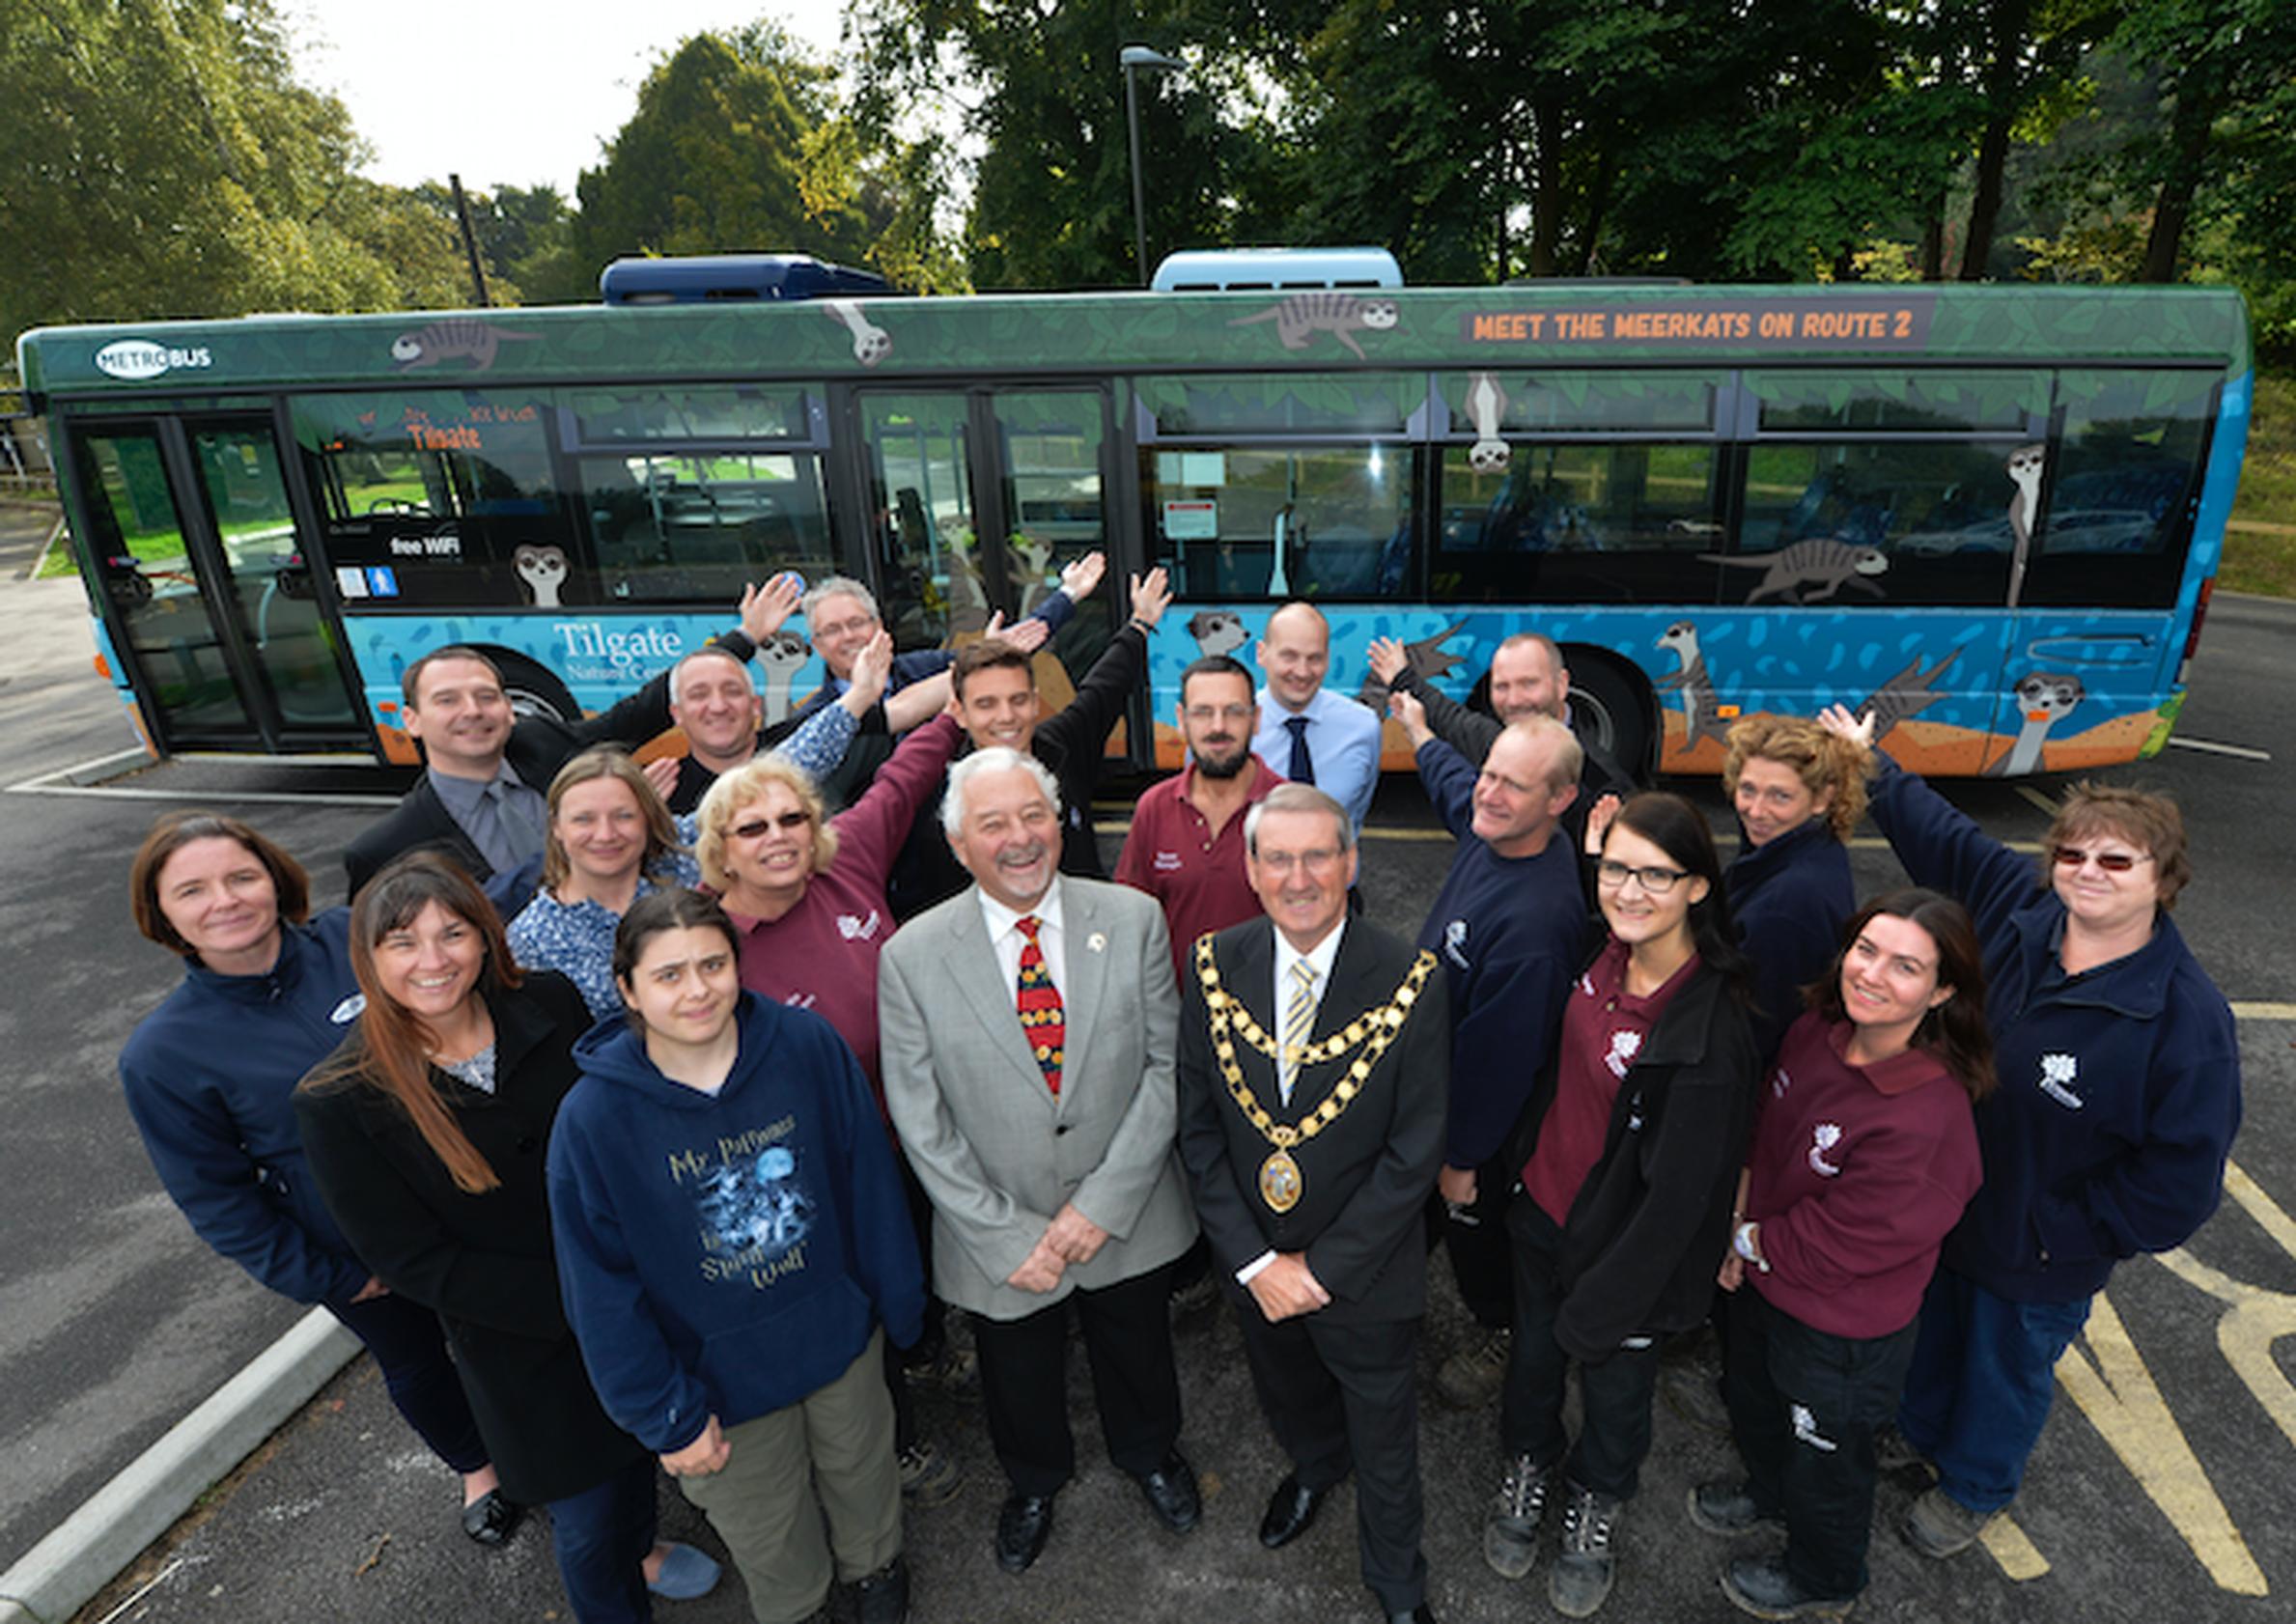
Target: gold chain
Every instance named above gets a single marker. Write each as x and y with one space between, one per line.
1374 1030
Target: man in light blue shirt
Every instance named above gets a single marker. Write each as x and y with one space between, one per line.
1307 733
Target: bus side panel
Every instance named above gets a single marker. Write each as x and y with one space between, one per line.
1934 674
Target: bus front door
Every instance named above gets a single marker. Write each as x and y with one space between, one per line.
193 541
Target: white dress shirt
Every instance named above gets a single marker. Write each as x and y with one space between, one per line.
1318 958
1343 741
1004 934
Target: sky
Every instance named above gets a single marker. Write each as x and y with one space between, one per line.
507 92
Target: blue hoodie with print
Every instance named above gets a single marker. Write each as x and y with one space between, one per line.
727 1253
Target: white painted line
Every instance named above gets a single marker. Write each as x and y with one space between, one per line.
2239 752
93 770
2263 1011
201 797
93 1545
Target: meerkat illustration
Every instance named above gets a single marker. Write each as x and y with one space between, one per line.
1701 706
871 342
1425 657
1792 573
543 570
1032 562
1218 631
2044 698
456 340
2026 465
1485 401
783 654
1905 695
1302 316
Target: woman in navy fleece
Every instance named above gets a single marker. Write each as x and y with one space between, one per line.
2120 1096
210 1074
1864 1156
1798 792
736 1249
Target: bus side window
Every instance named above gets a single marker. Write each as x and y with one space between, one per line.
2118 499
699 527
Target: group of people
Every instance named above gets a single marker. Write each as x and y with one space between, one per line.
636 1140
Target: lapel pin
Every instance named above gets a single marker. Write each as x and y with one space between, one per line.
1096 942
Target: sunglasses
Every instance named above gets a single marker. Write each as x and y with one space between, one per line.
2111 863
757 826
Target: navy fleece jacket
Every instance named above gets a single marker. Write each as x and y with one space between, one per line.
2120 1087
1511 932
211 1077
727 1253
1790 899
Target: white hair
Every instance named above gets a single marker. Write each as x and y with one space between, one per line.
997 758
1297 798
837 586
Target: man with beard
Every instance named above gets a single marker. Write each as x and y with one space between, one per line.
1186 848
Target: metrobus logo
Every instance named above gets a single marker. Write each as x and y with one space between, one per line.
136 359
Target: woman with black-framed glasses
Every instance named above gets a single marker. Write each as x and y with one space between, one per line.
2119 1095
1628 1154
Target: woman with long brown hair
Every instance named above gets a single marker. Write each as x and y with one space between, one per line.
210 1076
426 1131
1865 1154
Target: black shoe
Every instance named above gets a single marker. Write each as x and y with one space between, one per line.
1421 1614
1725 1506
1022 1526
1763 1587
492 1518
1290 1509
1171 1490
882 1597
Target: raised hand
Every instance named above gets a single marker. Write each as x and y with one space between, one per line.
1079 577
1598 823
1405 708
1151 597
1857 729
663 773
764 608
1028 635
872 670
1387 659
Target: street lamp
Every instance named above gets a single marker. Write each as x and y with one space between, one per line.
1135 58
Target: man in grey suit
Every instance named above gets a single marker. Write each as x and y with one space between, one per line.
1029 1026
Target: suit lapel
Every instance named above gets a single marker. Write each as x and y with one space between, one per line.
972 963
1084 973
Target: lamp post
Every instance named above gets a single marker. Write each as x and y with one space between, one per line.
1133 59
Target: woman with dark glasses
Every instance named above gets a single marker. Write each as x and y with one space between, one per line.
2119 1095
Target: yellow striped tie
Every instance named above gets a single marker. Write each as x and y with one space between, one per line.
1298 1020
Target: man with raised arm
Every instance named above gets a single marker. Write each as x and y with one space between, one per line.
1313 1071
481 799
1510 927
1027 1029
1306 732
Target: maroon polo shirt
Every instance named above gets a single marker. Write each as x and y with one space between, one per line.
1196 876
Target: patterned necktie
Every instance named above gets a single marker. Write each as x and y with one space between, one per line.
1303 764
1298 1020
1043 1020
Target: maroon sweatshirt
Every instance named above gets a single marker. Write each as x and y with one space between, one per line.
1858 1173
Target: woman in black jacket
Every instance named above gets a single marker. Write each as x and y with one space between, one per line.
1628 1154
426 1131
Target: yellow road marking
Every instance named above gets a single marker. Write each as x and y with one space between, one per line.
2039 799
2005 1543
2254 1011
2122 1402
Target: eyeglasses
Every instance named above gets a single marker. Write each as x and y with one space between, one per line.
757 826
1314 862
1657 881
2111 863
1218 712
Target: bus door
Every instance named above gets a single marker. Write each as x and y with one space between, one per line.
217 618
977 497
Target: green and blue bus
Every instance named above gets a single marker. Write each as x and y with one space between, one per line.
1994 512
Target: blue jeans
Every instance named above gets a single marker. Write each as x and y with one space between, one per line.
1983 1375
602 1537
411 1350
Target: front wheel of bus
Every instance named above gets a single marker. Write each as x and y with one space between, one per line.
1607 711
534 689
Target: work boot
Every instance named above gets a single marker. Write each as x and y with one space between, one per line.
1940 1526
1471 1377
1511 1534
1584 1568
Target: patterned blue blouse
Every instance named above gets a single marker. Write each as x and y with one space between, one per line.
577 940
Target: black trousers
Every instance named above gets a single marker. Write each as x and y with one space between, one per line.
1476 1236
1127 1338
410 1347
1803 1408
1342 1393
1615 1396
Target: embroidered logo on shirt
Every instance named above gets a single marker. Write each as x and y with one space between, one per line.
1823 1139
1780 1082
349 1010
1455 944
854 929
1587 983
1806 1430
1167 862
1624 1045
799 1000
2059 1071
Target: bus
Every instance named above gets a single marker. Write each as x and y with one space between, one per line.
1991 513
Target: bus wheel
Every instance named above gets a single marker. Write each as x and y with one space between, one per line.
1607 709
534 689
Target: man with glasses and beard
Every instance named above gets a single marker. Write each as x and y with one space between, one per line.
1186 848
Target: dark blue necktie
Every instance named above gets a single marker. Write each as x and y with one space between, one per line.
1303 764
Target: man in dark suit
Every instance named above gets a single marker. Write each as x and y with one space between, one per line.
1314 1068
487 769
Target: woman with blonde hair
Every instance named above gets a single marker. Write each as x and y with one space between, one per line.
426 1131
610 841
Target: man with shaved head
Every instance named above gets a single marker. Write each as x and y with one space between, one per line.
1306 732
